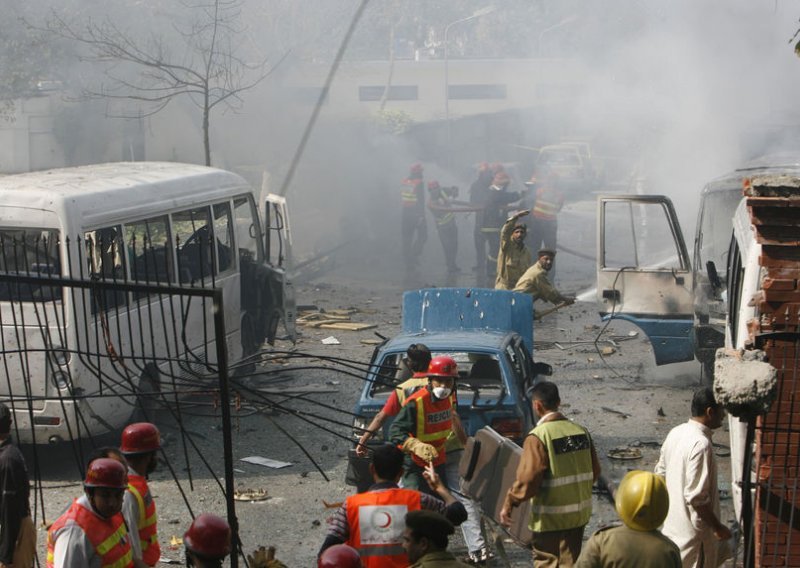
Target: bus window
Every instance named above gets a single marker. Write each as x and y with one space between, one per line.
246 229
29 252
223 236
148 252
193 244
106 261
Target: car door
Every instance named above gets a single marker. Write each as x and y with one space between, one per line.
644 272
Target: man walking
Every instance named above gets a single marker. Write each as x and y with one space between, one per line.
17 534
556 471
372 522
689 465
513 258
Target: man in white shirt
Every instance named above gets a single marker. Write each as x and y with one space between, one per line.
689 465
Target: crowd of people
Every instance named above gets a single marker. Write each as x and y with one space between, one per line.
669 518
501 249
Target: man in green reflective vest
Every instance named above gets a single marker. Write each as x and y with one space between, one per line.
557 470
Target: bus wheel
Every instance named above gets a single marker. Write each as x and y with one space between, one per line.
148 393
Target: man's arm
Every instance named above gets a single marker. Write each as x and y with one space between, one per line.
454 510
530 472
374 426
405 425
338 529
131 513
697 491
74 549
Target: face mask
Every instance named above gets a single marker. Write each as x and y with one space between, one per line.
441 392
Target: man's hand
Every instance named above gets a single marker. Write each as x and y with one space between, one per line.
569 301
424 451
505 516
361 447
433 479
522 213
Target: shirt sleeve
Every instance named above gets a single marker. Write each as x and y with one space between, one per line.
696 491
74 549
392 406
130 512
530 472
405 425
455 512
338 527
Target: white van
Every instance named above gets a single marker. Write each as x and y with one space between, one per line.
75 358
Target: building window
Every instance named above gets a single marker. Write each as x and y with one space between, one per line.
476 92
396 93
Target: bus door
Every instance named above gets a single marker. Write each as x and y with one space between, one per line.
644 272
278 250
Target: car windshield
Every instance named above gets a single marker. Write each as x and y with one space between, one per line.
718 211
476 370
560 158
29 252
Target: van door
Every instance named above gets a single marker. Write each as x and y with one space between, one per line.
278 250
644 272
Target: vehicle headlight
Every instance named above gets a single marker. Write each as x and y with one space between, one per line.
61 380
61 357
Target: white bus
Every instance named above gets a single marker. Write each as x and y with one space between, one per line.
74 359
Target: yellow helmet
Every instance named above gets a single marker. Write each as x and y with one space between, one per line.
642 500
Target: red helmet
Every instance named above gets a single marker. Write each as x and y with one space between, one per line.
209 536
433 184
443 366
339 556
140 438
106 472
501 178
415 168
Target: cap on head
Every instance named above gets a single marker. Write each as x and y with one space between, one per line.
415 168
546 252
429 524
140 438
443 366
433 185
106 472
339 556
521 227
642 500
209 536
501 178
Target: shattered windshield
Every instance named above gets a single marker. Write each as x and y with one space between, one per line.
29 252
716 228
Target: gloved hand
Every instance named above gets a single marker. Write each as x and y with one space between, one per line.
420 449
263 558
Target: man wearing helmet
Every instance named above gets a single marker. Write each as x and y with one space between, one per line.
140 443
642 503
340 556
92 532
498 200
426 421
513 258
413 227
207 542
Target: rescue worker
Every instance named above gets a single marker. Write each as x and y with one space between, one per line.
548 202
642 503
556 472
207 542
17 532
477 199
340 556
425 541
425 422
535 282
140 444
477 550
92 532
513 258
440 203
372 522
413 227
495 211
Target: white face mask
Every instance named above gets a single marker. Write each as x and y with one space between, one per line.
441 392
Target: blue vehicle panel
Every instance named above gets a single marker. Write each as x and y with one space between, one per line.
671 339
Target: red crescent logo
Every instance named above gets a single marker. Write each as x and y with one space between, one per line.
388 520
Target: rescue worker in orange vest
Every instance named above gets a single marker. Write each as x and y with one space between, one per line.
548 202
92 532
207 542
140 443
372 522
413 227
426 421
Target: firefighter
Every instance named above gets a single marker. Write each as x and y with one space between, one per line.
495 211
140 444
477 198
426 421
513 258
548 202
92 532
207 542
413 227
440 203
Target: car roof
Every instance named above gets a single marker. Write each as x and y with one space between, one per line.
468 340
779 163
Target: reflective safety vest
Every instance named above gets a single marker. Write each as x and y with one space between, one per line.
148 530
564 500
377 520
442 217
409 194
549 202
434 423
412 385
109 537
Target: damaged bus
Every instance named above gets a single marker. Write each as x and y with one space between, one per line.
78 358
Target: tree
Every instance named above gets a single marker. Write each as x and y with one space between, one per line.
208 66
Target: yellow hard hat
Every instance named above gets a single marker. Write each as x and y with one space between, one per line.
642 500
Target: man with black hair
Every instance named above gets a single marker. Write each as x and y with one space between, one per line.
689 466
556 471
425 541
17 533
372 522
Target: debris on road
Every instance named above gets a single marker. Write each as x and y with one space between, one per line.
330 340
624 453
258 460
251 496
614 411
